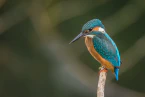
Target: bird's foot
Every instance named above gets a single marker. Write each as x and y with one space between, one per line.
102 69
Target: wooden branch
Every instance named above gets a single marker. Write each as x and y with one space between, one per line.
101 82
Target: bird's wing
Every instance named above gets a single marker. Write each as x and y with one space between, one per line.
106 47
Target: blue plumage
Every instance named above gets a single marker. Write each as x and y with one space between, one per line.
92 23
105 46
116 71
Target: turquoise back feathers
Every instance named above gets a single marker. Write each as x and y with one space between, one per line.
105 46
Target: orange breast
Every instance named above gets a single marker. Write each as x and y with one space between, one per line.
96 55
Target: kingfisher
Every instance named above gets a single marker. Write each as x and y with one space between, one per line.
100 45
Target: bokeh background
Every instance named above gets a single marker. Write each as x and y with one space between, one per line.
37 61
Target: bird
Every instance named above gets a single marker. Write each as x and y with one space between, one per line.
101 46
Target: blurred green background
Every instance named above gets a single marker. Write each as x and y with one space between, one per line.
37 61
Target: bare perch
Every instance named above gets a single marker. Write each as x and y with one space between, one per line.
101 82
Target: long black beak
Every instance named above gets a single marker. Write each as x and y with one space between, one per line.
76 38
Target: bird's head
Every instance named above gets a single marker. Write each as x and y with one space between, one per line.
90 27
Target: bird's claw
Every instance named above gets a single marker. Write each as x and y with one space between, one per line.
102 69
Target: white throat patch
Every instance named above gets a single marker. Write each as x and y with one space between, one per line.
101 30
90 36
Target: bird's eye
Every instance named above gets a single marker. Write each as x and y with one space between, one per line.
90 29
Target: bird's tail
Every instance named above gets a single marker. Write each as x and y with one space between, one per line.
116 71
